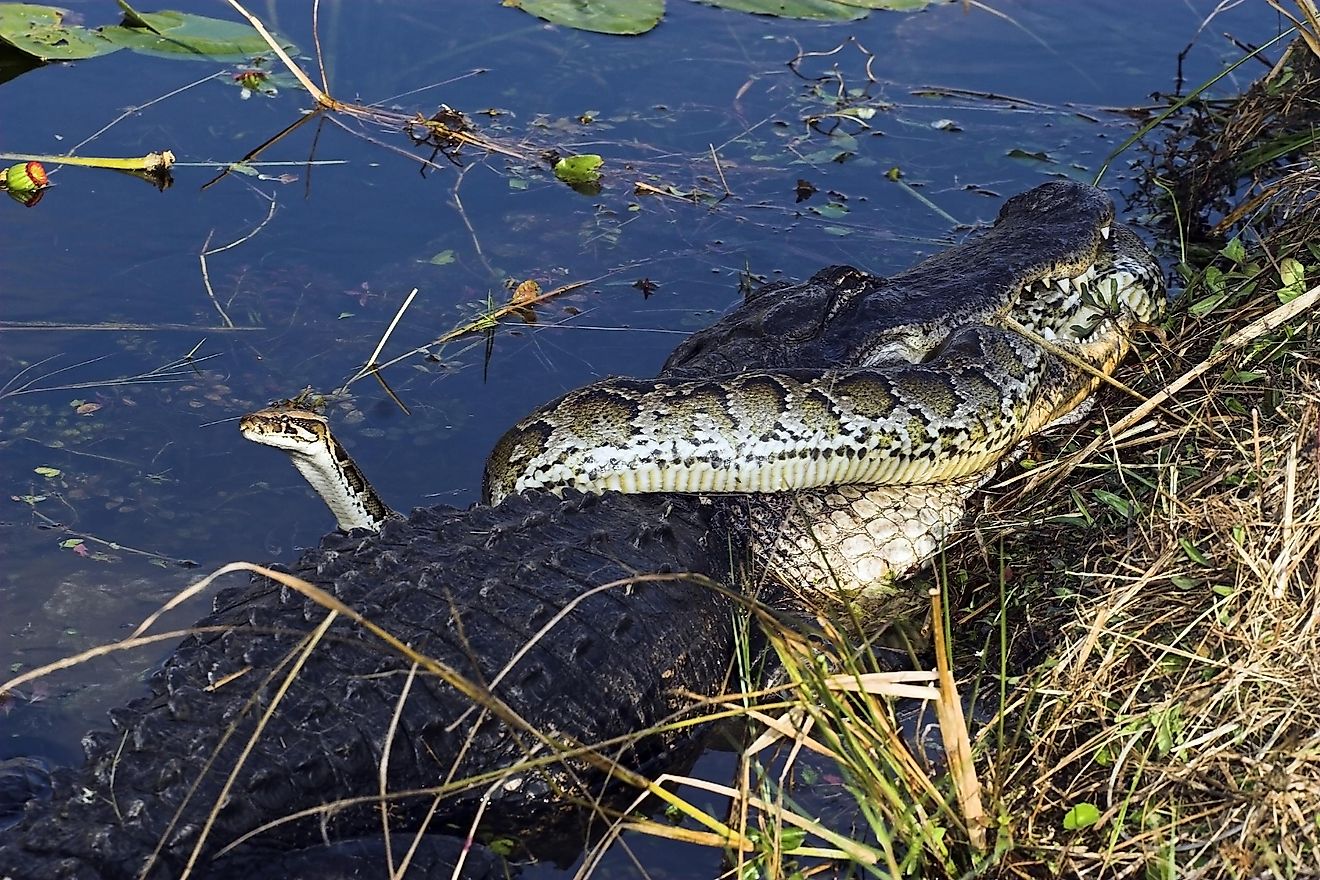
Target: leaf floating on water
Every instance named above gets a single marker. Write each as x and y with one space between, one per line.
86 409
184 35
622 17
630 17
831 211
49 473
815 10
526 292
896 5
444 258
40 32
524 296
584 169
133 18
856 112
1038 156
43 33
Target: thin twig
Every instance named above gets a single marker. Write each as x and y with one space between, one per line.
319 96
207 251
139 108
716 159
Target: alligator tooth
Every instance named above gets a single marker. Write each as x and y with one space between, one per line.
1065 285
1104 232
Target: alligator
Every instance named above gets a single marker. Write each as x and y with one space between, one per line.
558 627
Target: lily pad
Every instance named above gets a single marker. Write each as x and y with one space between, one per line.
182 34
892 5
639 16
602 16
818 10
45 33
584 169
40 31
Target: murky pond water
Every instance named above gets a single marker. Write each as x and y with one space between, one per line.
125 358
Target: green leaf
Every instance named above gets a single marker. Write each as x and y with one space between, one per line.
69 543
1037 156
831 211
1194 553
40 32
1117 503
792 838
49 473
444 258
817 10
624 17
184 35
579 169
891 5
1291 271
132 17
1293 275
856 112
1235 251
1082 815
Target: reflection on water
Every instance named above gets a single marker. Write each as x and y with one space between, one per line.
119 447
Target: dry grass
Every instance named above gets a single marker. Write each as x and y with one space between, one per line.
1168 577
1147 598
1182 695
1150 608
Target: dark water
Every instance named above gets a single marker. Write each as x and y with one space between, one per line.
155 472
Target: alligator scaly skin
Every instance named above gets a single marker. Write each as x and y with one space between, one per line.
614 665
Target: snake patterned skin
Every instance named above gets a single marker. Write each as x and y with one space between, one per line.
854 413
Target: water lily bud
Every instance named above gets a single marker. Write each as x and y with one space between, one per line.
26 178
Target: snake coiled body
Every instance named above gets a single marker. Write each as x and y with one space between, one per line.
789 429
910 389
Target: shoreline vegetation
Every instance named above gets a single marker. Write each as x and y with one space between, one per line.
1142 604
1133 616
